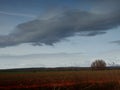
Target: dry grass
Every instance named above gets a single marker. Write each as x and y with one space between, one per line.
62 80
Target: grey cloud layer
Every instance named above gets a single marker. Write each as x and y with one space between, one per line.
117 42
68 23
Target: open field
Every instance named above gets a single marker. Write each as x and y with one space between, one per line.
60 80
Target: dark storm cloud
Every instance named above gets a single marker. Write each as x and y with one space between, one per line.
59 26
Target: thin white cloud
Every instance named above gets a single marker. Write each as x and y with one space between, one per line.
17 14
44 60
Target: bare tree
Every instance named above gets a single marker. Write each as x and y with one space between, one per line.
98 64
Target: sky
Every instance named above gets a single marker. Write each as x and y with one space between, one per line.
58 33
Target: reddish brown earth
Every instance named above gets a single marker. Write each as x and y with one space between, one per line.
64 80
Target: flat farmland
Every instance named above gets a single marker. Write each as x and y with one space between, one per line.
60 80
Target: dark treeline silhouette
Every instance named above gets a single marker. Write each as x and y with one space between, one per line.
54 69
